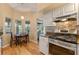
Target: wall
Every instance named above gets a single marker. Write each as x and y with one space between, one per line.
5 11
33 33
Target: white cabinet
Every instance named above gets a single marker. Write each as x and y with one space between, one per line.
43 45
47 22
76 7
47 18
57 12
54 13
65 9
78 16
68 8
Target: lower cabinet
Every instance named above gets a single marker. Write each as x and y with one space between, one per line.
43 45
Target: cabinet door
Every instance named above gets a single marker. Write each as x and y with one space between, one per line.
61 11
68 8
48 19
55 13
77 7
43 45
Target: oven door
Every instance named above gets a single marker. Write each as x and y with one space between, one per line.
58 47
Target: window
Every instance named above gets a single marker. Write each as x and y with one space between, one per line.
18 27
8 25
27 26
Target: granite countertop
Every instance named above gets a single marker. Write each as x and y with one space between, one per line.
76 35
46 35
67 37
65 33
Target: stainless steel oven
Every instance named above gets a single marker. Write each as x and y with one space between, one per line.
59 47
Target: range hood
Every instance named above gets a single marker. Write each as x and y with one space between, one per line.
68 19
71 17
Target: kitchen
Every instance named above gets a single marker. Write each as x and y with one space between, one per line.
62 37
53 29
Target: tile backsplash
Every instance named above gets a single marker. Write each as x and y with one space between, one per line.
67 25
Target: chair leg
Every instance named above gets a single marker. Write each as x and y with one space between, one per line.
11 43
20 43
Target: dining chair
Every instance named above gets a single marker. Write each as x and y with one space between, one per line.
12 40
27 38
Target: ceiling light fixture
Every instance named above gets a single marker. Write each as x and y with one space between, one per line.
22 17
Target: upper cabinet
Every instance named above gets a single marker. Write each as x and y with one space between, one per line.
78 16
50 16
65 9
47 18
57 12
69 9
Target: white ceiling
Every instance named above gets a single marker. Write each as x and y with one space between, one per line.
34 7
24 7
